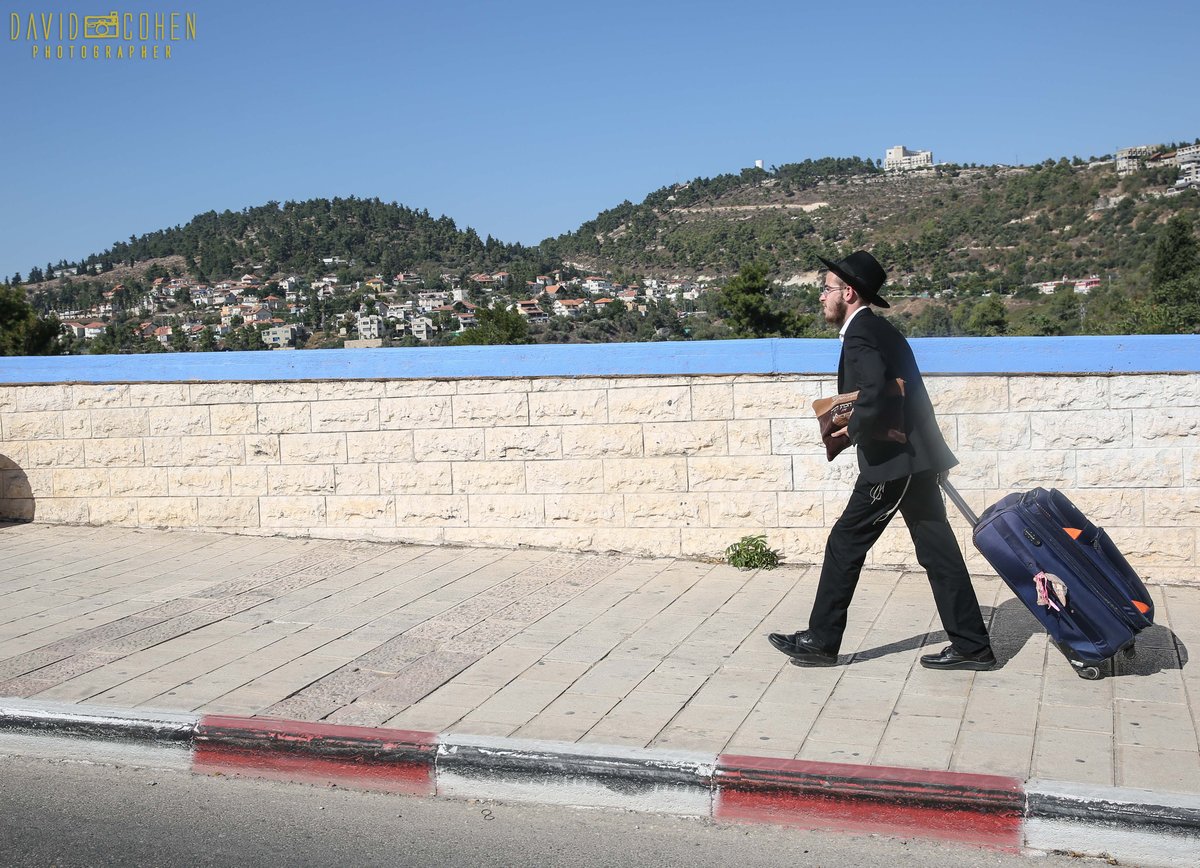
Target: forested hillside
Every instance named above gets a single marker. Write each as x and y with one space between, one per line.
965 247
953 228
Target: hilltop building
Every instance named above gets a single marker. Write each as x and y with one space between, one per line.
1129 160
901 159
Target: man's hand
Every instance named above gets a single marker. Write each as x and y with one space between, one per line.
841 432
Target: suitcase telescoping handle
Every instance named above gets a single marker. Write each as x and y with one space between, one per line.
953 494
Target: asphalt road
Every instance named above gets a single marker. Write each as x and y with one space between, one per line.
60 811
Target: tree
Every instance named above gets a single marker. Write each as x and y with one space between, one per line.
179 338
22 332
208 340
496 326
750 312
1176 254
933 321
988 318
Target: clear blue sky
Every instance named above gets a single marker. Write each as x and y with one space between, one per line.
523 119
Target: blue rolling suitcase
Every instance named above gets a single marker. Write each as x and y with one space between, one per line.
1066 571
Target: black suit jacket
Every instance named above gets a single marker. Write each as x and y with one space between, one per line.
873 354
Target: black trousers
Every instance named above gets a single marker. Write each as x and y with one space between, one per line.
869 511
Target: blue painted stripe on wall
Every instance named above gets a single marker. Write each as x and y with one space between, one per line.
1057 355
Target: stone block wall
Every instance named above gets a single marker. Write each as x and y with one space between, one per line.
665 465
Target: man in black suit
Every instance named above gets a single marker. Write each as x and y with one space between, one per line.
893 476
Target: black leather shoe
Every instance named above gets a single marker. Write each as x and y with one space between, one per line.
951 658
802 649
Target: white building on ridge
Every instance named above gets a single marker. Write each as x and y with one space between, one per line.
901 159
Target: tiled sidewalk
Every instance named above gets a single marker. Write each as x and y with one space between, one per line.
601 649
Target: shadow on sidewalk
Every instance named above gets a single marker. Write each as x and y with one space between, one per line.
16 494
1012 625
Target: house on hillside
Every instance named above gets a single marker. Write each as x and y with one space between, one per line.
529 309
571 307
280 335
596 284
1189 176
421 327
370 326
427 301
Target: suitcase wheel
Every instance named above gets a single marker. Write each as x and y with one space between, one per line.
1088 673
1130 650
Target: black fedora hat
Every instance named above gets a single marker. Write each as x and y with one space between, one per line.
861 271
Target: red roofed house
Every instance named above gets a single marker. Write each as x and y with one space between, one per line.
569 306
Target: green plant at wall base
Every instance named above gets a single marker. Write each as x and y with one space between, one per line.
752 553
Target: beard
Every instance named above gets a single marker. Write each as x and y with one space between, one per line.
838 315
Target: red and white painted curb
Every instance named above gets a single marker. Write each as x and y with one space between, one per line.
987 810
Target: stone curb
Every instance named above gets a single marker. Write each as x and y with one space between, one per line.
1112 805
92 721
985 810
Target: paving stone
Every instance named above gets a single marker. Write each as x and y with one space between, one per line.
585 705
1155 724
94 636
865 733
991 752
52 674
918 741
555 671
281 683
615 676
1150 684
475 726
674 683
998 709
156 635
426 716
421 677
923 705
556 727
856 752
1076 718
679 738
1153 768
499 667
1074 755
395 654
23 664
362 714
301 707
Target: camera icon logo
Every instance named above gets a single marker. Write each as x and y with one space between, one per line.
101 26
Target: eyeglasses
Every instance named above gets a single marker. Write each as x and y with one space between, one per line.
827 290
